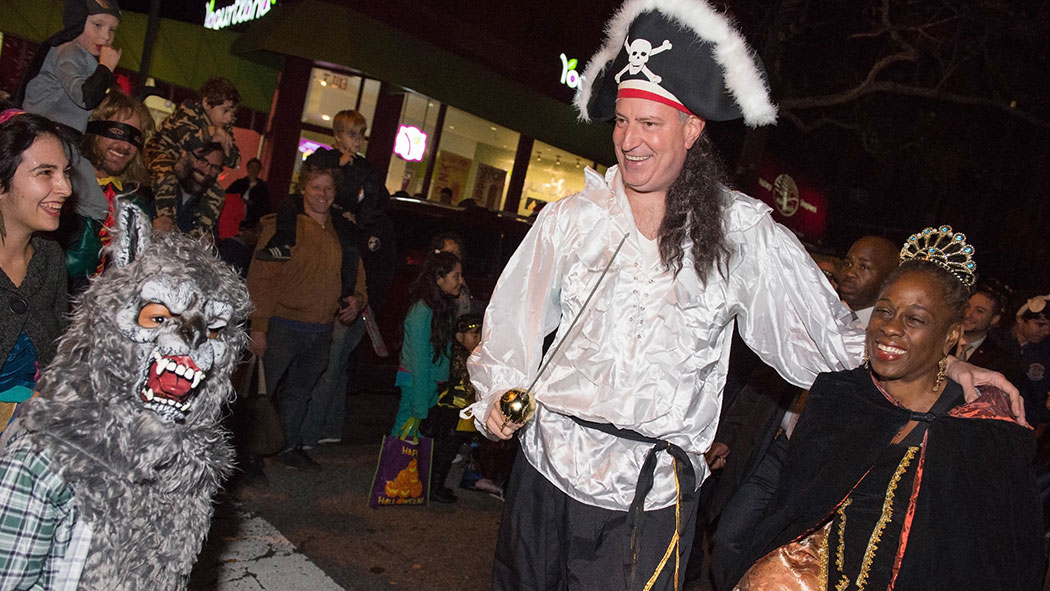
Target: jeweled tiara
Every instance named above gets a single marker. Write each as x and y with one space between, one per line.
945 248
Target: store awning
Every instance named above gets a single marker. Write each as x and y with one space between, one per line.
307 28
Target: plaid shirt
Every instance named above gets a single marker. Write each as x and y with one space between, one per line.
43 545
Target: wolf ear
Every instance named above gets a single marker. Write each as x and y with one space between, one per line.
132 232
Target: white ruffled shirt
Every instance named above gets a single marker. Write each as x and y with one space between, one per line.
651 351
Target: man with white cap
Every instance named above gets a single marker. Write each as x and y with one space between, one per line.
592 503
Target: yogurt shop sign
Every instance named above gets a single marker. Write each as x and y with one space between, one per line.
241 11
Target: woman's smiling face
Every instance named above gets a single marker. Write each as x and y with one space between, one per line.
911 329
33 202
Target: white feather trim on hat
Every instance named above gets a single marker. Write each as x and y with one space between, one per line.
741 75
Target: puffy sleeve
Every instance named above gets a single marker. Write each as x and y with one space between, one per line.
524 308
786 310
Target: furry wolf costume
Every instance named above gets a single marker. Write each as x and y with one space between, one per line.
107 482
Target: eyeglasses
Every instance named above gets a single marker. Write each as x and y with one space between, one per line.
216 168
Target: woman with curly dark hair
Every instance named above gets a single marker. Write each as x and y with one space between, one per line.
428 336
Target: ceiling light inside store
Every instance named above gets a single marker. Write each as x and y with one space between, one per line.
326 117
451 127
324 83
492 128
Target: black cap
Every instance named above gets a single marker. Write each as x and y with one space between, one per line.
75 15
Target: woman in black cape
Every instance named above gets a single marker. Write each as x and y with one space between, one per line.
892 480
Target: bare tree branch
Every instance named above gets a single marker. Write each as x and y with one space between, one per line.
894 33
870 146
805 127
865 88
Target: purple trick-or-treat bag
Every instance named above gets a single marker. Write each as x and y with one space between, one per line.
403 474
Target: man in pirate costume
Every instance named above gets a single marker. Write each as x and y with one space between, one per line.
593 503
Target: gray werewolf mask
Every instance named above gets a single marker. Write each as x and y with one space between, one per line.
180 310
157 334
129 409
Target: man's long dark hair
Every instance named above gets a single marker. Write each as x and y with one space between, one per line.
695 205
442 306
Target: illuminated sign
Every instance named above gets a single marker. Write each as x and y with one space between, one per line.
569 76
307 147
410 143
241 11
796 203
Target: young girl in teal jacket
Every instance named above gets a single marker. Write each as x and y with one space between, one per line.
429 329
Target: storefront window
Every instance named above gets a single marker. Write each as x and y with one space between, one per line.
369 97
474 160
329 93
552 175
412 146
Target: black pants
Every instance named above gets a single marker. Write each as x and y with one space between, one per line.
550 542
744 512
440 425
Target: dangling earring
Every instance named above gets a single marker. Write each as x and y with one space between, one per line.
866 364
941 366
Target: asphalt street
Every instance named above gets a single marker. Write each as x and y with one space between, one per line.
323 535
315 531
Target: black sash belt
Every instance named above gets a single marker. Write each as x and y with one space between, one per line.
646 477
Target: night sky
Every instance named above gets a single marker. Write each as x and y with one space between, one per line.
191 11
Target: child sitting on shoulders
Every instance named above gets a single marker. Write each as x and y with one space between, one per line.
69 77
78 65
359 183
193 124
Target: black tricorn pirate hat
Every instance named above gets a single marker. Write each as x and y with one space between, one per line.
682 53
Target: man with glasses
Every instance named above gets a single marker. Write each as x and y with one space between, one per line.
197 171
193 124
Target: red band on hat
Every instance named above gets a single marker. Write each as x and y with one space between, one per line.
651 96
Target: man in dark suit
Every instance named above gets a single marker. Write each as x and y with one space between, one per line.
982 314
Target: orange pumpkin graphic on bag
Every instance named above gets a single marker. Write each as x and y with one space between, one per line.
406 484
